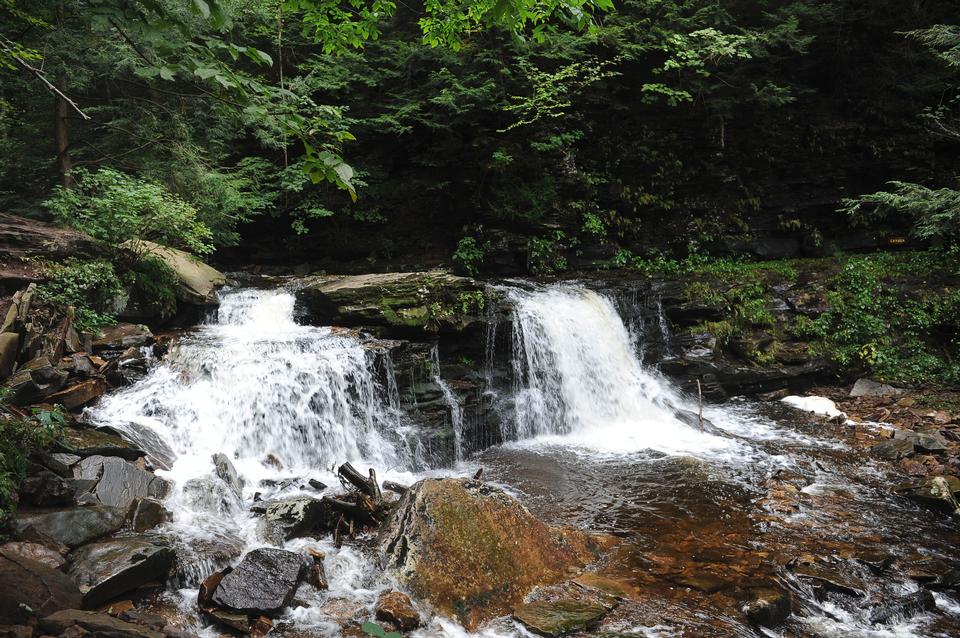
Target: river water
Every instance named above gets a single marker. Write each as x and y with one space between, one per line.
594 439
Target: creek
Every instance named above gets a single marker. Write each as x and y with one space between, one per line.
591 436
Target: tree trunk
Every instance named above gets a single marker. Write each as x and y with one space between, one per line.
61 131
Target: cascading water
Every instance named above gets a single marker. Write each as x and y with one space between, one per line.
577 375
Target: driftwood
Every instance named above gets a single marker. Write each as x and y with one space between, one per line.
396 488
361 507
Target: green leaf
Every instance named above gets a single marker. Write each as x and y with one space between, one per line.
201 7
373 629
167 72
205 73
259 56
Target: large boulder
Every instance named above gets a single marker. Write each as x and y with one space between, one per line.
198 282
89 442
559 617
28 587
294 517
473 551
263 583
107 569
95 624
404 300
119 483
70 527
118 338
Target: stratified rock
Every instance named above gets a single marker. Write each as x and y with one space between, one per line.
768 607
263 583
46 489
89 442
559 617
871 388
397 609
35 552
71 527
122 336
892 449
147 513
107 569
935 491
29 588
294 517
923 441
80 394
35 380
227 473
473 551
120 482
98 624
198 282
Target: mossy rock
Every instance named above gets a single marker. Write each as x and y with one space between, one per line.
559 617
474 552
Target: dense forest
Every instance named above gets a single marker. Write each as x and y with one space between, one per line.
647 312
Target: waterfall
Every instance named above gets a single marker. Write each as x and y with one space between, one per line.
456 411
576 375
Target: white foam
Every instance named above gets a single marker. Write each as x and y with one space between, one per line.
816 405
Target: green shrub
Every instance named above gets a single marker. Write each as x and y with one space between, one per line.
91 287
113 207
470 255
155 286
19 438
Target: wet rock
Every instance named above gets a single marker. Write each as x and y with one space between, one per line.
47 489
768 607
608 585
826 578
903 608
35 552
892 449
35 380
107 569
702 581
29 588
293 518
16 631
232 619
870 388
198 282
70 527
90 442
934 491
120 482
473 551
397 609
147 513
122 336
59 463
923 441
212 495
80 394
264 582
98 624
227 473
559 617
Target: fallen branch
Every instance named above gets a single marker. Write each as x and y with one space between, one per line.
9 49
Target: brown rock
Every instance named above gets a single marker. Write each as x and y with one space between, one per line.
35 552
96 623
16 631
397 609
123 336
147 513
475 552
29 588
209 585
9 349
79 394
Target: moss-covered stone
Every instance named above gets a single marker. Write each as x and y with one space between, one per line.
559 617
475 552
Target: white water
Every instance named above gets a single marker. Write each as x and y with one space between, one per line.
579 381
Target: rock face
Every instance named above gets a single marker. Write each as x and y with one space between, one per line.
419 300
21 237
473 551
559 617
28 587
293 517
110 568
397 609
119 483
70 527
264 582
198 281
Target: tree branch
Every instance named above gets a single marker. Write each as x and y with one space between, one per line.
7 46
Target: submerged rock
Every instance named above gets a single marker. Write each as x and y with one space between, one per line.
71 527
110 568
559 617
902 608
29 588
264 582
227 473
119 483
473 551
397 609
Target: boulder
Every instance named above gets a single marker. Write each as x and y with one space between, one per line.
89 442
107 569
35 552
29 588
559 617
118 482
892 449
263 583
98 624
70 527
9 350
473 551
404 300
79 394
122 336
35 380
938 492
46 489
198 282
397 609
227 473
871 388
147 513
294 517
768 607
923 441
23 237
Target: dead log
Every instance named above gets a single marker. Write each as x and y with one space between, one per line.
396 488
350 474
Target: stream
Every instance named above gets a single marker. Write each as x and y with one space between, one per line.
594 438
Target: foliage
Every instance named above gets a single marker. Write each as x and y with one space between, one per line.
376 631
545 255
19 439
114 207
91 287
469 255
155 285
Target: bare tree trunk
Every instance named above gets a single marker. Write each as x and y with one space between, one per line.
61 131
